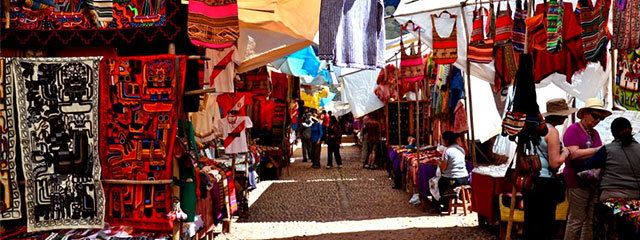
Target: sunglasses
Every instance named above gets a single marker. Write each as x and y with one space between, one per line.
597 116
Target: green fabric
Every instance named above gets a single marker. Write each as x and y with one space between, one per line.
188 190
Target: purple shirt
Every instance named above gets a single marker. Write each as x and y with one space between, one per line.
575 136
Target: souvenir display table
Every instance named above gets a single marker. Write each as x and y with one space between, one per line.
617 219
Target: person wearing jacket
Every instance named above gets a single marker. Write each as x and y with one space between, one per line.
305 137
316 139
334 138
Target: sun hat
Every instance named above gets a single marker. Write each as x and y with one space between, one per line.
558 107
595 104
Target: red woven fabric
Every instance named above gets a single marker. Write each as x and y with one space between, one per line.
138 128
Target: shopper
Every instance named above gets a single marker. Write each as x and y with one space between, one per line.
324 117
620 161
333 141
364 152
453 167
373 131
305 137
316 138
583 141
541 201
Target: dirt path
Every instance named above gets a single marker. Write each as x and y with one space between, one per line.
346 203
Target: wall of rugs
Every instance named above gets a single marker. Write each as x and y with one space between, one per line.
72 123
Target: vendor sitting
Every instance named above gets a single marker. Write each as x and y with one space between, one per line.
619 161
453 167
412 143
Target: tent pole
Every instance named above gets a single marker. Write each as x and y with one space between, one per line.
398 100
470 106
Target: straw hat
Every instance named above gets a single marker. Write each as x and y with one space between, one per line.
558 107
595 104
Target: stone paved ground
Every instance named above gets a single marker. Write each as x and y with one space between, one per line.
347 203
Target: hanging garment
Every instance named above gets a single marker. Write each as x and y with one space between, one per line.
203 120
220 70
505 67
445 49
626 25
359 47
257 81
58 118
234 103
537 39
233 129
461 124
570 59
554 26
411 65
593 20
10 199
519 28
480 48
504 25
137 139
279 85
213 23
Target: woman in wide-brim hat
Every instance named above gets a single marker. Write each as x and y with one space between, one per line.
583 141
540 205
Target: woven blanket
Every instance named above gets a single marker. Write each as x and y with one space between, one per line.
10 201
57 101
138 128
213 23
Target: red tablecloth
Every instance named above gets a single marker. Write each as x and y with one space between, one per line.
484 195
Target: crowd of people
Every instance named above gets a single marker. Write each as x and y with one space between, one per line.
592 173
318 127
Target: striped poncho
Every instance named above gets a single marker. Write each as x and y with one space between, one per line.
593 20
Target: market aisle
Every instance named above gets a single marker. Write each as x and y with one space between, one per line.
347 203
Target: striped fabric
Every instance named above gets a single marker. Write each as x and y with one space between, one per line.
554 26
626 25
103 8
504 25
213 23
594 28
519 28
445 49
480 48
411 65
537 33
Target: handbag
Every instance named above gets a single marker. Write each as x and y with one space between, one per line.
480 48
513 123
519 28
529 161
445 49
504 25
537 31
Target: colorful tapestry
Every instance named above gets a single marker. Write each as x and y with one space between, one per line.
138 127
213 23
86 14
57 101
626 92
10 202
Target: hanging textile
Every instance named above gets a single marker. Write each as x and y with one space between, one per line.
445 49
58 118
411 65
505 67
554 26
138 128
233 129
626 25
481 45
504 25
10 199
347 46
567 61
203 120
460 124
234 103
87 14
537 39
519 28
279 83
213 23
593 20
257 81
220 70
626 91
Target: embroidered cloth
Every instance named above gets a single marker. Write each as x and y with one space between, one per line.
138 128
10 200
57 101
